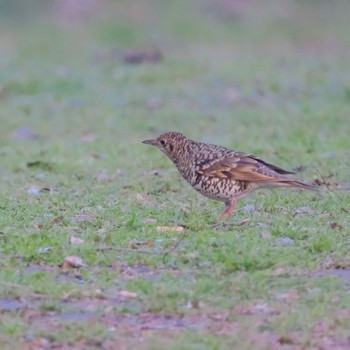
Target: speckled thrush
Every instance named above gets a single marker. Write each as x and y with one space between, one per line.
220 173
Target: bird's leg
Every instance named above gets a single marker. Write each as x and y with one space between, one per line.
229 208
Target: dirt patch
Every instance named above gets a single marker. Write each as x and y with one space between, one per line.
7 304
343 274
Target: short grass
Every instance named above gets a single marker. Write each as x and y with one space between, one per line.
272 80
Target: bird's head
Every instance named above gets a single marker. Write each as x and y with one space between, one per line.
171 143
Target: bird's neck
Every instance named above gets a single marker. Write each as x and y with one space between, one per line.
183 159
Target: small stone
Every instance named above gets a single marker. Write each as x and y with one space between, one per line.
285 241
72 262
170 229
127 294
34 190
249 208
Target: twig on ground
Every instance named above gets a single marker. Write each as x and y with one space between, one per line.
327 184
170 250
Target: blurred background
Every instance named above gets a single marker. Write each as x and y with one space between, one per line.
263 77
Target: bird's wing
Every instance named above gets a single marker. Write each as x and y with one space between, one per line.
242 167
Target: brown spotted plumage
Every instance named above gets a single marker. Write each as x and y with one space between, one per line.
220 173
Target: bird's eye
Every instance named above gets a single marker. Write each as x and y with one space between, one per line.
162 142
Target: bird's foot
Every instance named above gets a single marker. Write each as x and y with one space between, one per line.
229 209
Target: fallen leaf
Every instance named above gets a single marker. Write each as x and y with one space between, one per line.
137 244
72 262
142 243
57 219
94 293
127 294
170 229
75 240
137 57
335 225
142 199
195 304
322 180
288 340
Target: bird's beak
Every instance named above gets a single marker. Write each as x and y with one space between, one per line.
150 142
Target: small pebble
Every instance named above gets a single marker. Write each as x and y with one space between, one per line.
249 208
34 191
285 240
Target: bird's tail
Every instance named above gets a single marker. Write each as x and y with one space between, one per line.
303 185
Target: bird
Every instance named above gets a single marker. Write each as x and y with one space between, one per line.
220 173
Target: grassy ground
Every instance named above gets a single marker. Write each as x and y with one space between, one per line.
270 79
